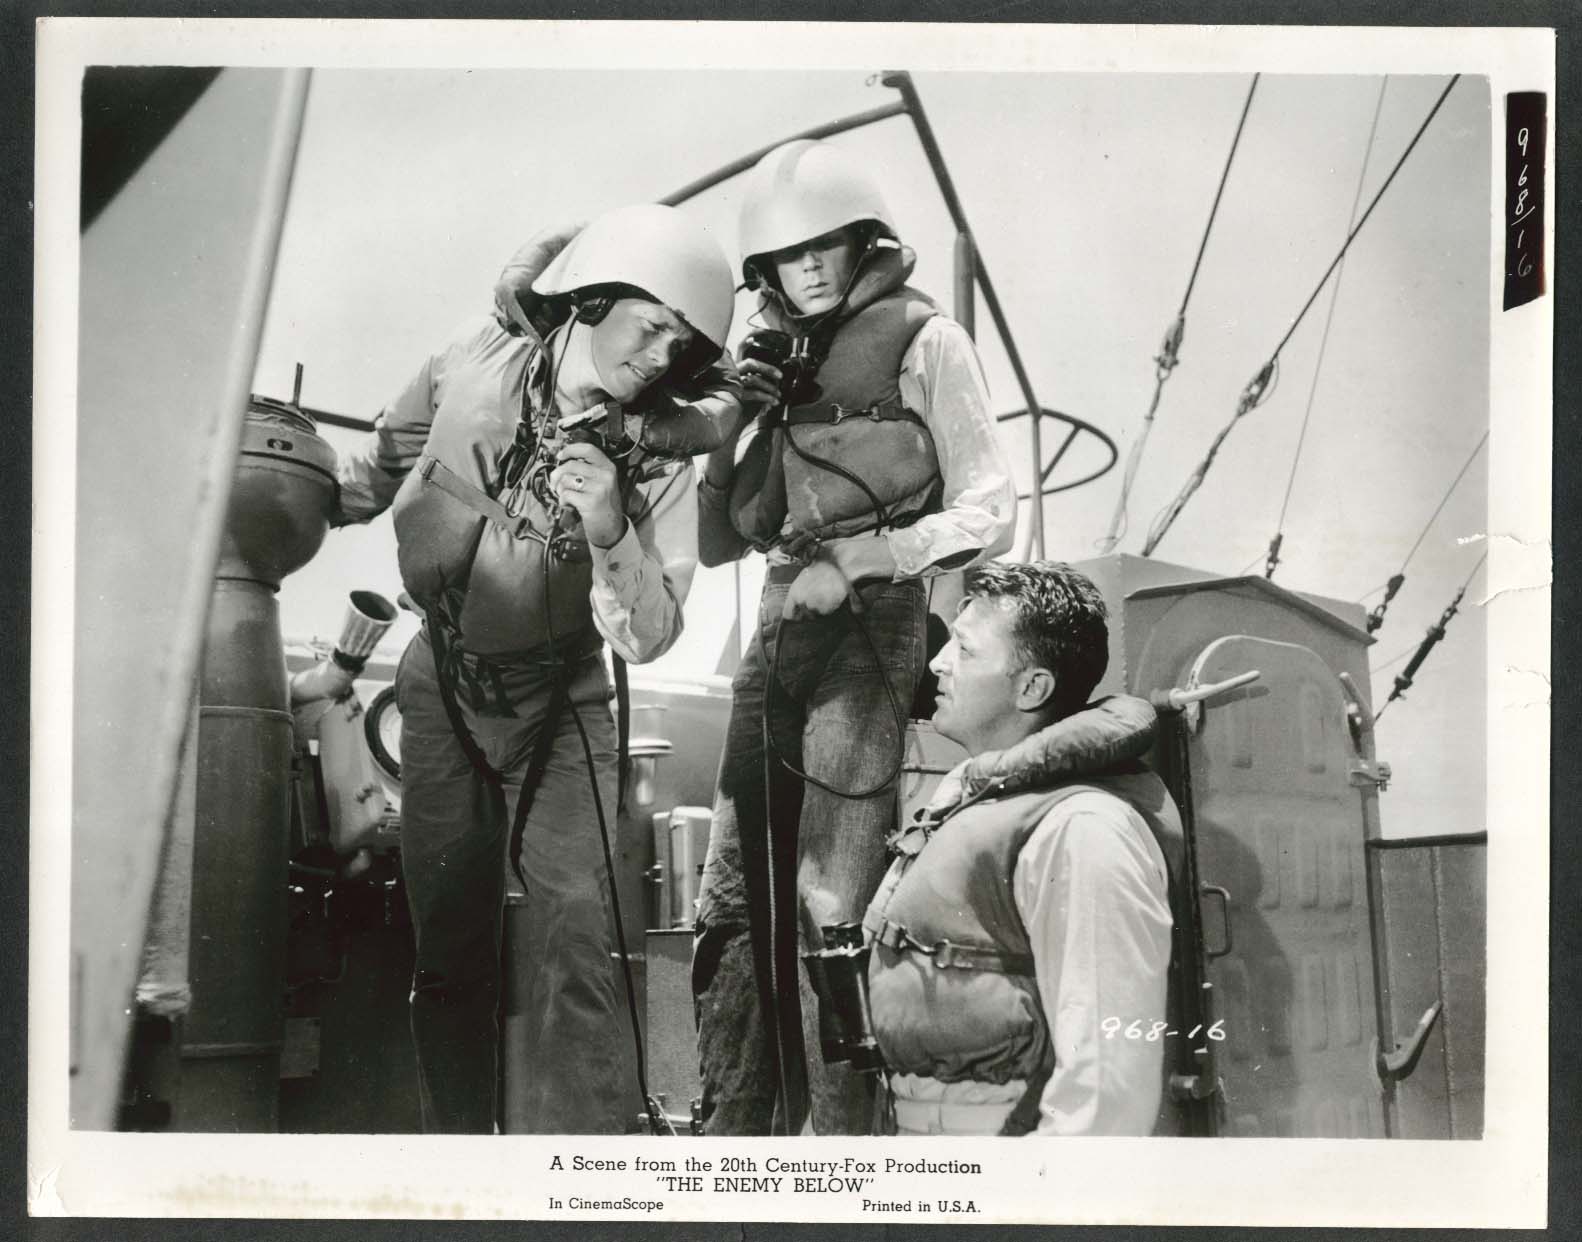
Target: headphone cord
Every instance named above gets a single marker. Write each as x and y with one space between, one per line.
658 1123
895 709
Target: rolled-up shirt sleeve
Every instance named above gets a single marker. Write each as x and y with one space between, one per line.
719 542
641 582
1091 887
942 379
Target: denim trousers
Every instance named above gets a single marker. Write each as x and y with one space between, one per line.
831 715
455 830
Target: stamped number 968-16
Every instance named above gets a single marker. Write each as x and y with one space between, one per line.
1157 1030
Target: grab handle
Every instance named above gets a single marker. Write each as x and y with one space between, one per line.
1214 890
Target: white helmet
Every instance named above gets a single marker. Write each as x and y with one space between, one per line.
659 250
802 190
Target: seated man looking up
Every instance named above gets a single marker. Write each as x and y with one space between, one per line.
1026 907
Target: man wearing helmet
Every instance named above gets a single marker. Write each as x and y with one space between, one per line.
530 536
874 467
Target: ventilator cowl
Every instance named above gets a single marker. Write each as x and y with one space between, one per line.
283 495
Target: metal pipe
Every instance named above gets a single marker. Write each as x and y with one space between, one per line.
279 512
1426 842
1378 929
966 274
328 418
1194 1081
856 121
1077 425
901 81
1060 452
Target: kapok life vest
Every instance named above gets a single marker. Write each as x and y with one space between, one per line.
858 423
500 596
951 984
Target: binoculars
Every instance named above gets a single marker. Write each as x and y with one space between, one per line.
798 359
839 972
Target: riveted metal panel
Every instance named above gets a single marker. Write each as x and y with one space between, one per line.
1339 867
1279 825
1268 837
1270 777
1347 994
1461 901
1434 910
1235 994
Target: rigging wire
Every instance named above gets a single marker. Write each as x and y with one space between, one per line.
1403 679
1272 559
1169 351
1257 390
1376 617
1394 659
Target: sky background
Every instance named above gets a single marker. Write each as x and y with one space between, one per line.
1088 194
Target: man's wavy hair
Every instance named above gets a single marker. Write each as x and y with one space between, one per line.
1059 622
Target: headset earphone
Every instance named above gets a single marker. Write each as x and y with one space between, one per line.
592 304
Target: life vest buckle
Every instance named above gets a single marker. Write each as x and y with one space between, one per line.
839 413
891 935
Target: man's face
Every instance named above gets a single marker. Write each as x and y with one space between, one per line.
815 273
979 672
635 344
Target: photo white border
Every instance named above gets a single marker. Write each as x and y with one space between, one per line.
1500 1180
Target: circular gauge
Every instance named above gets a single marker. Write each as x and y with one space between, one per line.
382 727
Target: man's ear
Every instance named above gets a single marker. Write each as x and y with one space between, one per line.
1035 689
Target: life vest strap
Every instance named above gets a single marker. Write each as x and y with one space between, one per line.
432 470
948 955
833 413
563 545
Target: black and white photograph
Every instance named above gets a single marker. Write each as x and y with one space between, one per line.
863 598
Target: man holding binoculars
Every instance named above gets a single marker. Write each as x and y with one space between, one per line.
873 467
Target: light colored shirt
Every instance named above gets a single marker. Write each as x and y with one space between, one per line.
469 393
942 380
1093 891
641 582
